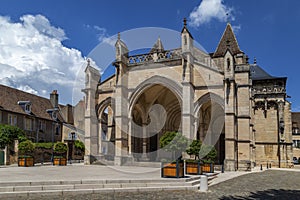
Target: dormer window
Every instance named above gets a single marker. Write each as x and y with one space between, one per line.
28 108
26 105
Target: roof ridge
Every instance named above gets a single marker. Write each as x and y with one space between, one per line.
18 90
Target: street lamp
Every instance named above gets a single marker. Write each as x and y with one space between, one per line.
72 145
53 113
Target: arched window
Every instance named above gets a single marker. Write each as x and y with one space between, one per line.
228 64
185 40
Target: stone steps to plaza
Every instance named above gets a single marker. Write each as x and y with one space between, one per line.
72 187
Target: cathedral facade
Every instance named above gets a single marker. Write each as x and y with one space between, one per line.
218 98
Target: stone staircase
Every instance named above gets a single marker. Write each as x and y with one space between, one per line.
36 189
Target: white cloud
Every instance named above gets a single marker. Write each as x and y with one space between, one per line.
236 28
33 58
208 10
103 36
101 33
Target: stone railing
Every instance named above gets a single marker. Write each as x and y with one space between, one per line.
268 90
154 57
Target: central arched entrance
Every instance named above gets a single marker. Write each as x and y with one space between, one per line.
156 110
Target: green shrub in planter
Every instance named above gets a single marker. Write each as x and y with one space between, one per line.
208 153
60 147
194 149
26 148
174 142
25 158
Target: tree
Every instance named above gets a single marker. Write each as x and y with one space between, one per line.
194 148
8 134
208 153
174 142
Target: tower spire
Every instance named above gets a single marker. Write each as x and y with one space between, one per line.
228 41
184 22
88 62
185 29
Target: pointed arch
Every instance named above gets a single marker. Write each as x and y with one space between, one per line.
160 80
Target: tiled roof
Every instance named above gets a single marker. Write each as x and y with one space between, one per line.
9 98
228 41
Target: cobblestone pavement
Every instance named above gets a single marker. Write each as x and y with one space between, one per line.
270 184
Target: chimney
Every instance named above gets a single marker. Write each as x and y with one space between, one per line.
54 98
69 114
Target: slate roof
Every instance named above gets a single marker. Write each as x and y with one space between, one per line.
228 40
257 73
9 98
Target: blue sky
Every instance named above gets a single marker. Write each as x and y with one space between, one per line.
267 30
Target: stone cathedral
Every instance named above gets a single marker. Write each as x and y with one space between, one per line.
218 98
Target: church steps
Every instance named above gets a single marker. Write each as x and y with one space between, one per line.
64 188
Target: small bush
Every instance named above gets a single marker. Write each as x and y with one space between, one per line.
208 153
194 148
26 147
174 142
79 145
60 147
44 145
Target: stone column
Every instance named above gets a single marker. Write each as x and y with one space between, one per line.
281 130
129 136
187 48
100 136
121 102
121 128
230 127
144 155
91 137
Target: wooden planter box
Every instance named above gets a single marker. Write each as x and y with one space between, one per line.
207 167
175 170
193 168
25 162
60 161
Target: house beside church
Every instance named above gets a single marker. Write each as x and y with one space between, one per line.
42 119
